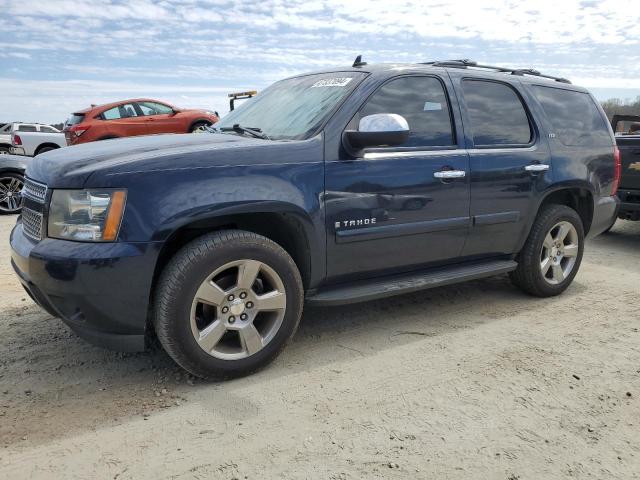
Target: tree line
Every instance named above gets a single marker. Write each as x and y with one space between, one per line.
616 106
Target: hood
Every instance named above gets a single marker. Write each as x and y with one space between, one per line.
70 167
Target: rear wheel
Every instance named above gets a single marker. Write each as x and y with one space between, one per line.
550 258
199 126
45 149
227 303
11 192
5 150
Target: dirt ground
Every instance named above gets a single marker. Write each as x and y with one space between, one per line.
473 381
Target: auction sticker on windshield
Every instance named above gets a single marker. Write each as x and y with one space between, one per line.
332 82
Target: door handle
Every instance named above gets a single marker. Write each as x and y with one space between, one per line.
449 174
537 167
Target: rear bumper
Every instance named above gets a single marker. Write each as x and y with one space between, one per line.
101 290
629 203
605 212
17 151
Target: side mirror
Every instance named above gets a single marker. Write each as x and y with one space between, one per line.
175 111
379 130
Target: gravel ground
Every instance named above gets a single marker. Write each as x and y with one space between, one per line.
470 381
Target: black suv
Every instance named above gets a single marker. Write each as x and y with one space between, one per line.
332 187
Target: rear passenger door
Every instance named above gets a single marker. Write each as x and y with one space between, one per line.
124 121
508 159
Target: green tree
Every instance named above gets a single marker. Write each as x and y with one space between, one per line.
615 106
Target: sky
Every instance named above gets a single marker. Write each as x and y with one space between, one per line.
60 56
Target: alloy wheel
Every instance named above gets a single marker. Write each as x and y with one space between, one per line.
11 194
238 309
559 252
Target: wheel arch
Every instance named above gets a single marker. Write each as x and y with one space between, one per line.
198 120
11 170
44 145
578 197
287 225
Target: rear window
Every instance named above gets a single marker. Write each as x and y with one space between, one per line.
27 128
121 111
74 119
575 119
496 114
628 127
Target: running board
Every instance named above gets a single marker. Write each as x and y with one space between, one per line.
363 291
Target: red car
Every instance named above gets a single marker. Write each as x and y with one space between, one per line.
141 116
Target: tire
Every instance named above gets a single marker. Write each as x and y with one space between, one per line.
45 149
542 254
11 184
199 325
5 151
198 125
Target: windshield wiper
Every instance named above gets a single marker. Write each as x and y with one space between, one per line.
253 131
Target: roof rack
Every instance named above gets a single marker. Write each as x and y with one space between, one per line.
466 63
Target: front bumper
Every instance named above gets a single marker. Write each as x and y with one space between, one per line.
101 290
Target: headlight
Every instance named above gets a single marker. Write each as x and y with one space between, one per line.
86 215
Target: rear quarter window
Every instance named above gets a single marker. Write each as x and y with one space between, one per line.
574 116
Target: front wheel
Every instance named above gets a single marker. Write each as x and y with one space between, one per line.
11 192
227 304
551 256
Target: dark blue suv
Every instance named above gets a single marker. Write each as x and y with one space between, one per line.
333 187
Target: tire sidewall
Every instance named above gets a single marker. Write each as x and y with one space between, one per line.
560 214
201 266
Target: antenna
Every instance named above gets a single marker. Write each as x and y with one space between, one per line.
358 62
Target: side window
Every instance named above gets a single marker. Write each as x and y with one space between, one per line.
496 114
121 111
27 128
574 116
153 108
422 102
45 129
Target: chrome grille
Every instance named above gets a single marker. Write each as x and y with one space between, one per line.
36 191
32 224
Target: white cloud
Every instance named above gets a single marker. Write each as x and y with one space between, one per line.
61 55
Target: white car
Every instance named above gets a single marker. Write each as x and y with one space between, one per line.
31 139
5 139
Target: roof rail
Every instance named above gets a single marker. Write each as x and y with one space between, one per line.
466 63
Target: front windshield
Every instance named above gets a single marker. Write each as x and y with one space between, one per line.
293 109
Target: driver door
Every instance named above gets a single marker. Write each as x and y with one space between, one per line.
391 208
